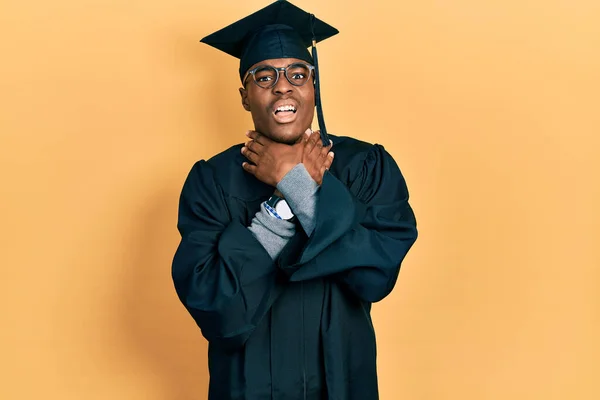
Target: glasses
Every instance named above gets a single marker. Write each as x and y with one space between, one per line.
267 76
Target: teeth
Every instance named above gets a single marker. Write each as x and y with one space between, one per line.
286 108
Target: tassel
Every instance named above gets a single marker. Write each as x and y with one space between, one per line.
324 137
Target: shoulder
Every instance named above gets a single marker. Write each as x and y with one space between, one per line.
367 169
227 158
354 157
349 147
224 170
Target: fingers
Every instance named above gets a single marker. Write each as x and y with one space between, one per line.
317 156
257 137
326 165
254 146
249 168
307 134
325 150
328 160
312 142
253 135
250 155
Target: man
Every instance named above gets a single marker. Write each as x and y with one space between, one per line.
283 249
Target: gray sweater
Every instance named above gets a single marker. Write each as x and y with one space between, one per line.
301 193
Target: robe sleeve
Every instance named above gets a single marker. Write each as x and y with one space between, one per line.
363 229
222 274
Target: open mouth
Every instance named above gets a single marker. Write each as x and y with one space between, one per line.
285 113
285 110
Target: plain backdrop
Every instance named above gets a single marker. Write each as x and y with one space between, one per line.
491 109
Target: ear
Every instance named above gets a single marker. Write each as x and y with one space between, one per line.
244 95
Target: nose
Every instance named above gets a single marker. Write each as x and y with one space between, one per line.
283 85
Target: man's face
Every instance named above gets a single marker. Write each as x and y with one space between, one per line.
265 105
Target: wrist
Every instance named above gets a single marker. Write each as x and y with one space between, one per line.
285 169
297 184
278 207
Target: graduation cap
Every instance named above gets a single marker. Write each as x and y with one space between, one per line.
280 30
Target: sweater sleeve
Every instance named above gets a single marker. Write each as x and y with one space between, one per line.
272 233
301 193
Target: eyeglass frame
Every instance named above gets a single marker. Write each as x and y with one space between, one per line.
311 69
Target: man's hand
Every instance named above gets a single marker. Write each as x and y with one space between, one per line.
272 160
316 157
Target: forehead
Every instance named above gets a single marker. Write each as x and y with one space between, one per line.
278 62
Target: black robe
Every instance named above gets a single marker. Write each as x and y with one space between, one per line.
299 327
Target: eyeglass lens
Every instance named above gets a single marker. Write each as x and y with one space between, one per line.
297 75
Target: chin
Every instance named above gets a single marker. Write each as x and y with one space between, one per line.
286 135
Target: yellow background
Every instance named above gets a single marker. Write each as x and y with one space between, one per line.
491 108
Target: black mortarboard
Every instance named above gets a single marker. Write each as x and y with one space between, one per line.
280 30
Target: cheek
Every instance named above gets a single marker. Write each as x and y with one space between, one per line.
309 102
309 96
258 104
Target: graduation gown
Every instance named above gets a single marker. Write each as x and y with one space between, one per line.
298 327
